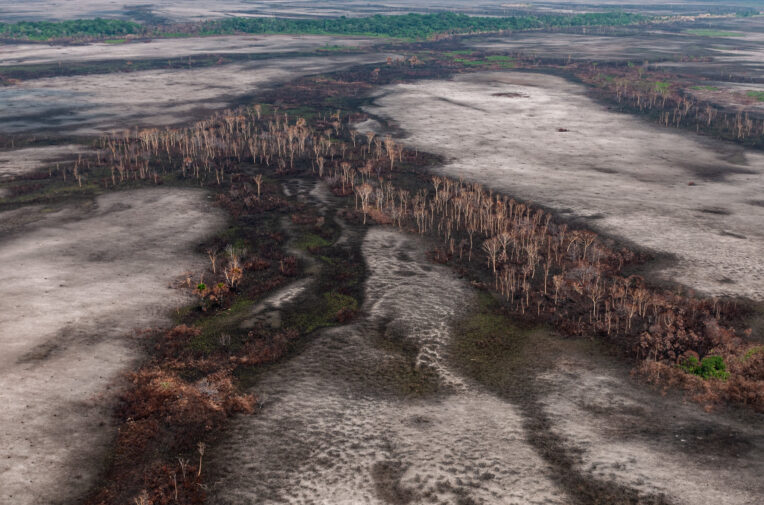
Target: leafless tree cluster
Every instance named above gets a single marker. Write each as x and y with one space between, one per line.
646 92
540 266
209 150
545 267
570 276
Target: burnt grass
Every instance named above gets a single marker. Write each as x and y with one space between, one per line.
484 350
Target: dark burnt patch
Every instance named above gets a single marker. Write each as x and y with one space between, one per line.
725 233
715 210
511 95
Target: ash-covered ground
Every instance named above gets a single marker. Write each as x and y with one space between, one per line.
79 282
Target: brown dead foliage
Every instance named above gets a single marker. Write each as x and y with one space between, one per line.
165 413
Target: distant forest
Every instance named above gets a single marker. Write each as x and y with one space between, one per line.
409 26
80 28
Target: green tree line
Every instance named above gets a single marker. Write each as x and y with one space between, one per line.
409 26
412 26
80 28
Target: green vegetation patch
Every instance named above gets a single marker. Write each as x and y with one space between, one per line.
222 329
707 32
409 26
757 95
491 348
750 353
335 302
495 60
457 54
710 367
706 88
78 28
412 26
323 311
311 242
303 111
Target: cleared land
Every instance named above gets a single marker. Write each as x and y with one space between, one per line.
653 444
686 196
715 58
636 46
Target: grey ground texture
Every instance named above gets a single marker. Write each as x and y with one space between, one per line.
338 422
79 283
690 197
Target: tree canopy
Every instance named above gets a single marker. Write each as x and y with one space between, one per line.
47 30
408 26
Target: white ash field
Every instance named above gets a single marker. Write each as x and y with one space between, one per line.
80 283
84 278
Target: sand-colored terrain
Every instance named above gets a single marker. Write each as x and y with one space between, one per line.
335 427
339 421
20 161
629 435
77 284
92 104
737 55
34 54
337 424
634 46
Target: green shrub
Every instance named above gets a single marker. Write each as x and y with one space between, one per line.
710 367
323 312
752 351
662 86
311 242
